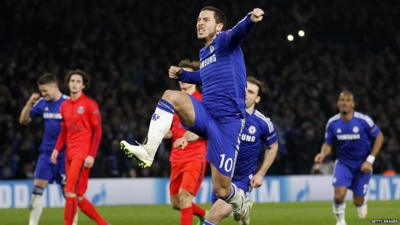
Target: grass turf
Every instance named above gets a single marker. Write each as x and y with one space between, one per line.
304 213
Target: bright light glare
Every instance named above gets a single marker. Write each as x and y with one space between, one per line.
290 37
301 33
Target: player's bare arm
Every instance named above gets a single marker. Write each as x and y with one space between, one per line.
257 15
185 139
174 72
326 149
24 118
269 158
190 136
376 148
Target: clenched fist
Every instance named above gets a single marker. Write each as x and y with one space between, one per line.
174 72
257 15
33 99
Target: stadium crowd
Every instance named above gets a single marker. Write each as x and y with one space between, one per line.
127 47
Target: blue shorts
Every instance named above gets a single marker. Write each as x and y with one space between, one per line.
352 178
222 138
46 170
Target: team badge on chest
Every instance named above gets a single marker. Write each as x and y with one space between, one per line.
211 49
252 129
355 130
80 110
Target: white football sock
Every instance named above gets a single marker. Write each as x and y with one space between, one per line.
36 209
159 126
339 212
236 197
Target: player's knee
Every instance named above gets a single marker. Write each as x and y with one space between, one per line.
358 201
169 95
70 195
175 203
222 192
222 189
80 198
173 97
185 199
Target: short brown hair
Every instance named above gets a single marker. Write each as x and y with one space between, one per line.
194 65
218 14
257 82
85 77
47 78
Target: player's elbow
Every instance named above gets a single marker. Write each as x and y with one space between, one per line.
380 137
274 148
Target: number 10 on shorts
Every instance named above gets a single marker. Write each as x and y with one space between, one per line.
226 164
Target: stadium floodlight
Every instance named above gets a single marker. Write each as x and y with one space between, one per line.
290 37
301 33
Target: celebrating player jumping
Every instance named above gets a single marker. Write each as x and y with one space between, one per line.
220 116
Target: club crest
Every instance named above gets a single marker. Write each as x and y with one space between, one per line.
80 110
252 130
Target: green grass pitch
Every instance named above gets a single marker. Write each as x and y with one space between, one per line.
305 213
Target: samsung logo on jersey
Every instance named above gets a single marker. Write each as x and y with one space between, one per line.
345 137
52 115
248 138
208 61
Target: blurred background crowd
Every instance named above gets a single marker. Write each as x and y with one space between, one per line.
127 46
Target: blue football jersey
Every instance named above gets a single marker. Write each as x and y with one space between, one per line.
258 131
50 112
354 137
222 73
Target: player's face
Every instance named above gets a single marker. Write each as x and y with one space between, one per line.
345 103
48 91
75 84
252 95
207 27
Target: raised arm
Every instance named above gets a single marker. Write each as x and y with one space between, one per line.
178 73
25 117
235 35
